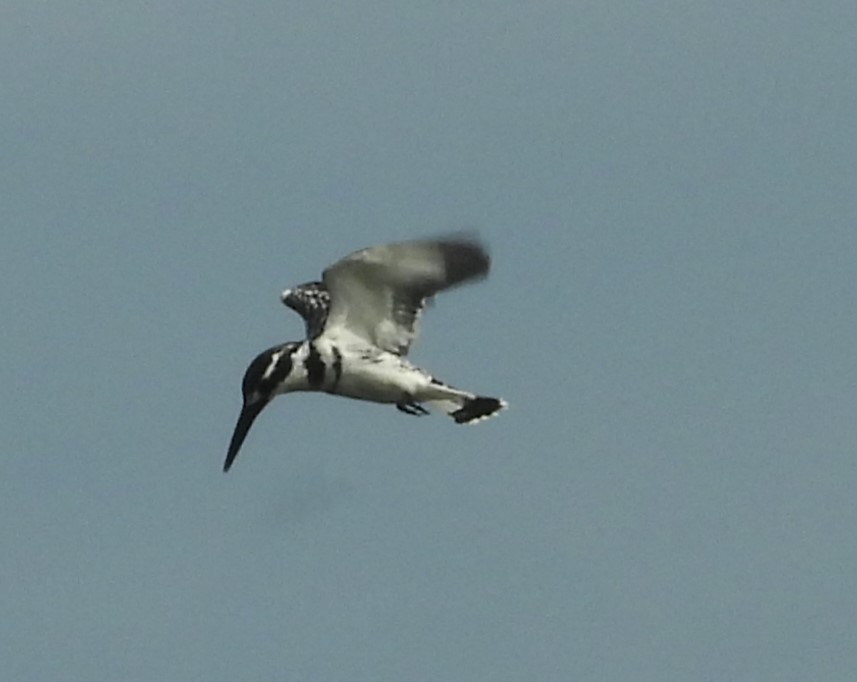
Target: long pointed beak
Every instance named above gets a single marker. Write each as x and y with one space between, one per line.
245 420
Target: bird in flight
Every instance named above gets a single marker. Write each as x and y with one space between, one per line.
361 320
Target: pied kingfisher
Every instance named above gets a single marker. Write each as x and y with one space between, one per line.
360 322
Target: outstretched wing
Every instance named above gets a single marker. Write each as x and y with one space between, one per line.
312 302
379 293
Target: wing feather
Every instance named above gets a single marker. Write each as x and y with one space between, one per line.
378 293
311 301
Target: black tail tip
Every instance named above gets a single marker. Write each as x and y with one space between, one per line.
476 409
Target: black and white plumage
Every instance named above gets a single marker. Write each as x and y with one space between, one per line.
361 320
312 302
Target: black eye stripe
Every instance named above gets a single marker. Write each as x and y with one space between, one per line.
268 369
282 366
272 365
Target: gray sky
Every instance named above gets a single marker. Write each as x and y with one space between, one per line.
668 190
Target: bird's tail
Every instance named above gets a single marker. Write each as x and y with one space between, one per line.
469 409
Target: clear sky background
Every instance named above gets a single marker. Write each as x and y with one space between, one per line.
669 191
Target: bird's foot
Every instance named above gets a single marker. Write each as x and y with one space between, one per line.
411 407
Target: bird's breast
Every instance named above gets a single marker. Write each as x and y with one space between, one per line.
370 374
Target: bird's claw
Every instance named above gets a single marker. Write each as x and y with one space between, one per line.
410 407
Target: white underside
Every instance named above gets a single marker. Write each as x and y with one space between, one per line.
382 377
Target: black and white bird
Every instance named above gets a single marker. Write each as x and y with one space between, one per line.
361 320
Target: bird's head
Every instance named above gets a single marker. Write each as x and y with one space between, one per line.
263 380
